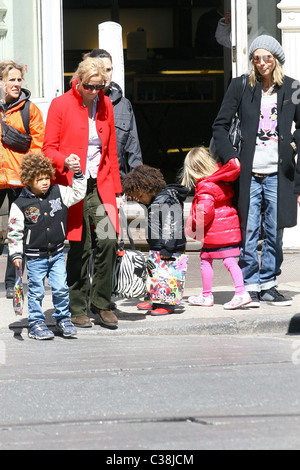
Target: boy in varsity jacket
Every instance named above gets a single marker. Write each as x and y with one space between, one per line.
36 229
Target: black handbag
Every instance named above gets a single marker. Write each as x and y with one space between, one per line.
234 133
13 138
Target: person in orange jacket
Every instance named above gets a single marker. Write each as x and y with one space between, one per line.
13 99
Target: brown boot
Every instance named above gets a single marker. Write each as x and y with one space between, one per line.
82 322
106 318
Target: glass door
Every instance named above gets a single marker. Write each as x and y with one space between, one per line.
251 18
30 34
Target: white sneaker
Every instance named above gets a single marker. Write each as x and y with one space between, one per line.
238 301
201 300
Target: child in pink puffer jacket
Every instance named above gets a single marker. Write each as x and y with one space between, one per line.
214 221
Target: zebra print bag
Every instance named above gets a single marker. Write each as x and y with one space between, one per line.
130 273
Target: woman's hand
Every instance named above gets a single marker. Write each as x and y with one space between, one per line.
298 200
72 162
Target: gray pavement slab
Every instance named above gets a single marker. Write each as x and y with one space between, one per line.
188 319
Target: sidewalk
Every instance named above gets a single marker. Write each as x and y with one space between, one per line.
189 319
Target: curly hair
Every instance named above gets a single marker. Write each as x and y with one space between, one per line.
33 165
143 178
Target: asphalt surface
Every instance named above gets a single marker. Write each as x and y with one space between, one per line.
187 319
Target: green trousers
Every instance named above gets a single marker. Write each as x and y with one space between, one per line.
79 255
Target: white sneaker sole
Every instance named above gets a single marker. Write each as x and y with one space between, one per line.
198 304
286 303
242 304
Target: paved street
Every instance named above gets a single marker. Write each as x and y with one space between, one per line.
200 379
151 392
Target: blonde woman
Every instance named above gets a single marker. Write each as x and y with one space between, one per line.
214 221
269 109
80 131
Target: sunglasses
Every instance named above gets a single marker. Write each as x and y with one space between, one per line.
92 87
266 58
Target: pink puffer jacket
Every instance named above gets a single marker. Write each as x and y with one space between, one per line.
213 218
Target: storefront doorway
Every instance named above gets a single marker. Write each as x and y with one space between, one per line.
251 18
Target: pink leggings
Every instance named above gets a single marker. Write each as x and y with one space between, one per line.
208 275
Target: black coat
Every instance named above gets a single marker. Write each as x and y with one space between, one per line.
165 220
128 144
288 113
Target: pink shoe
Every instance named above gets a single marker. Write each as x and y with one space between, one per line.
238 301
201 300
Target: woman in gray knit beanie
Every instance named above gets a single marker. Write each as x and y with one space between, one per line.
268 184
267 71
269 44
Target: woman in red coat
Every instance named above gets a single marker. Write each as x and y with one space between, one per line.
215 222
80 132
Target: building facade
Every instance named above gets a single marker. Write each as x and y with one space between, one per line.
32 32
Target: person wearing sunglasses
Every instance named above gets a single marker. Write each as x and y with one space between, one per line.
269 179
80 133
128 145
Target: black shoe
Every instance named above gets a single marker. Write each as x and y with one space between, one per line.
10 293
255 300
273 297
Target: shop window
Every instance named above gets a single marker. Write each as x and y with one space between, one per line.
20 35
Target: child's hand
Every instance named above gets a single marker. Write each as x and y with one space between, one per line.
120 201
17 263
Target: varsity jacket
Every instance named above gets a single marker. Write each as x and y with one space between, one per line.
37 224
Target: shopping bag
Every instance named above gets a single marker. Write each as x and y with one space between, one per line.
130 272
166 279
18 300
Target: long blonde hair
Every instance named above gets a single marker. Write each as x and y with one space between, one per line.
197 164
278 74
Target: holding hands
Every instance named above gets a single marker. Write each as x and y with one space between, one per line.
72 162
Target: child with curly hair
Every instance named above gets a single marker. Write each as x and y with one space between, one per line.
37 227
215 222
165 234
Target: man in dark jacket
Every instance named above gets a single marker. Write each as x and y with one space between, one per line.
128 145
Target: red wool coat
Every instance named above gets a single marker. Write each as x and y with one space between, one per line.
213 218
67 131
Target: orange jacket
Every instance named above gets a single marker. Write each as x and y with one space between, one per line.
10 160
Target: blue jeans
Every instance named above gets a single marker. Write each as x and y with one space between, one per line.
55 270
261 275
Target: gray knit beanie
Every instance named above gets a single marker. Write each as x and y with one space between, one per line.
269 44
